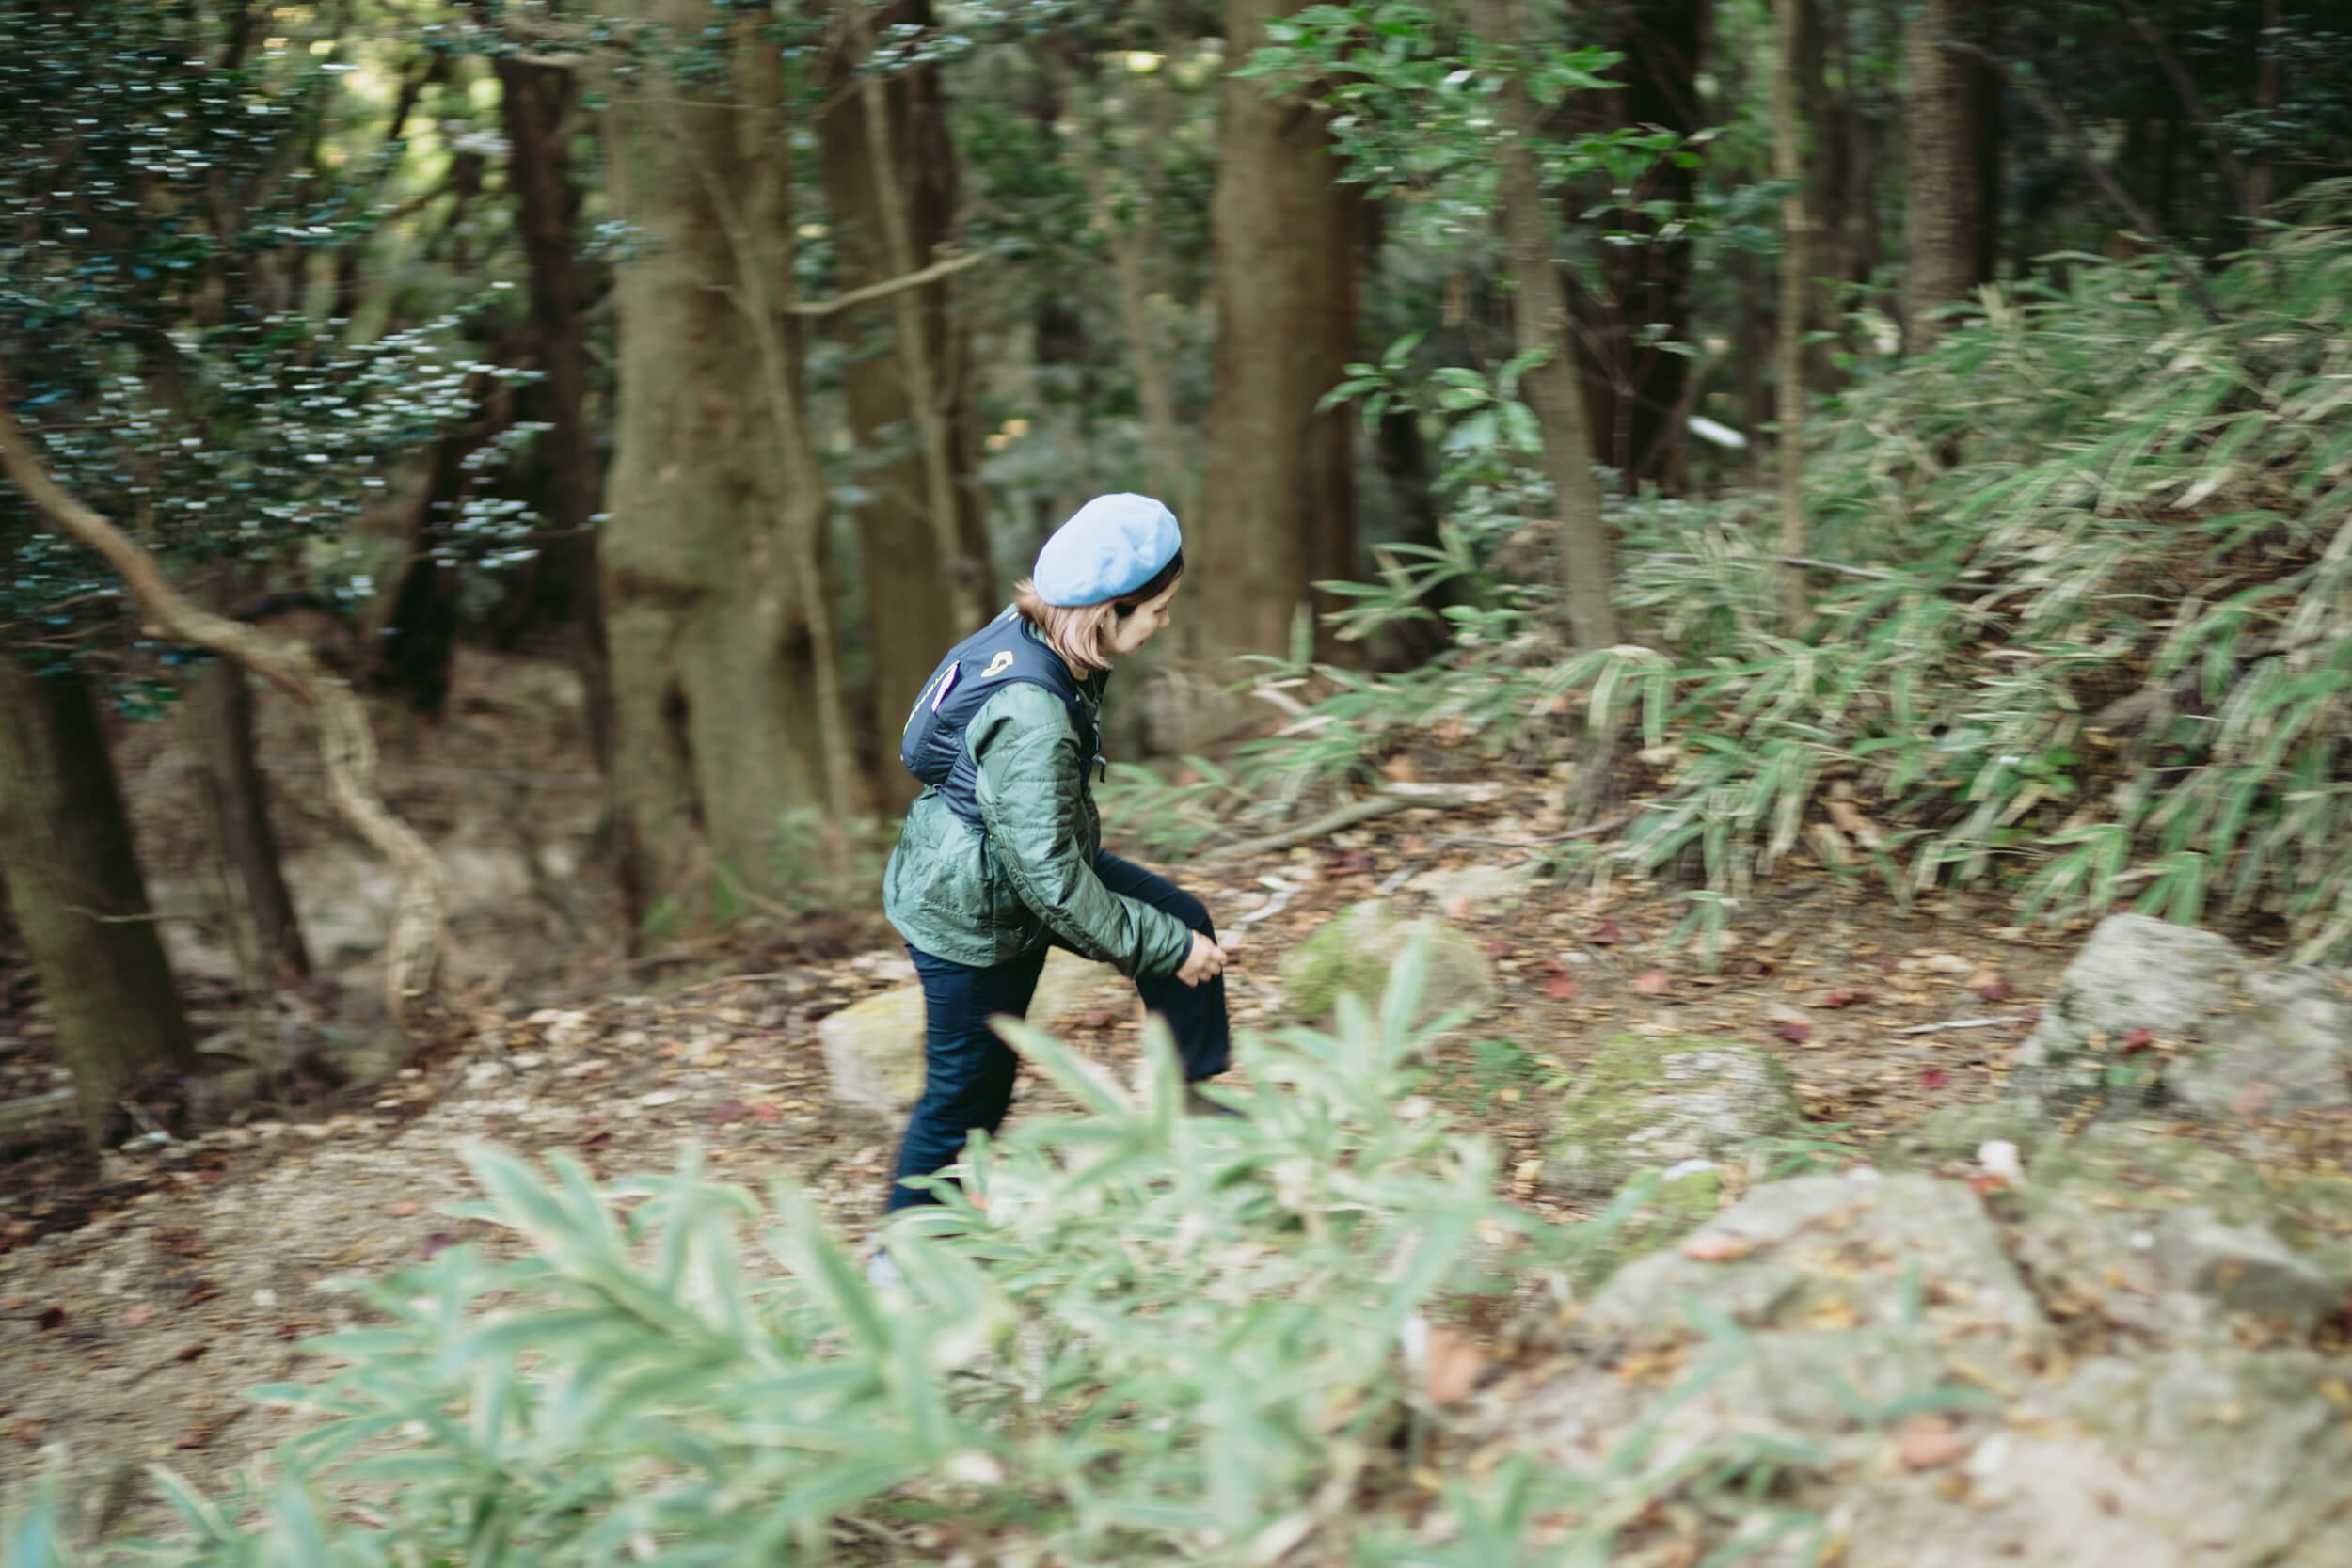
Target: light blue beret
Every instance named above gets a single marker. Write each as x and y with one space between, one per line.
1111 546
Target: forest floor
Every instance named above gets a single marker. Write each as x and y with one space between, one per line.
134 1307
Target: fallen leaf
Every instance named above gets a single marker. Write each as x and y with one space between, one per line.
1849 996
438 1241
1454 1365
405 1208
1984 1182
1607 934
139 1316
1651 982
51 1317
1097 1018
1715 1246
1991 983
1948 963
1500 948
1795 1031
2138 1040
1925 1442
764 1111
1854 824
1559 985
1934 1078
728 1111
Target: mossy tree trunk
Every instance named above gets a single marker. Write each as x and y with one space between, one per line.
719 670
76 894
918 605
1279 512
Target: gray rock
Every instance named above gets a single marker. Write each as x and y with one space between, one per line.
1851 1304
2288 1050
1069 985
1650 1103
1951 1134
1354 953
2238 1040
874 1052
1479 886
1832 1248
2176 1241
2209 1458
2249 1270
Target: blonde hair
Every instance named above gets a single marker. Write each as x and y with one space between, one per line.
1077 632
1081 633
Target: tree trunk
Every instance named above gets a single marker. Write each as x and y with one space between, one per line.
1795 224
222 705
2260 178
560 583
74 888
1279 512
1540 316
1650 281
716 619
918 604
1951 161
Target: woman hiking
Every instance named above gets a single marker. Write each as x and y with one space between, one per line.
1001 856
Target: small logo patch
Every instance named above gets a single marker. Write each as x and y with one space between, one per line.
997 666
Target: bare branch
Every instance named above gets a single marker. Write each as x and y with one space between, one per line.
889 286
2134 214
2233 173
419 937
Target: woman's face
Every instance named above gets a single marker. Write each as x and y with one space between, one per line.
1131 631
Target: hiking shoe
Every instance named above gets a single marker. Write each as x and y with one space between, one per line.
1199 1104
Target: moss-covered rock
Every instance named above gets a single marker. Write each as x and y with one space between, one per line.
1648 1103
1953 1134
874 1052
1674 1209
2178 1241
1354 953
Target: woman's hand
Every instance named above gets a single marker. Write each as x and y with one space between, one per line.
1206 961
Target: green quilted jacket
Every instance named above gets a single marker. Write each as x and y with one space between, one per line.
990 895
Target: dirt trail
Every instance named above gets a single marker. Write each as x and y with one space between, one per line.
201 1266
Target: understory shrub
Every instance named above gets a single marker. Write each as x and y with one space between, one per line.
1134 1337
2081 621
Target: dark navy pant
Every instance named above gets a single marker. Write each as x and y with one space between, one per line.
969 1072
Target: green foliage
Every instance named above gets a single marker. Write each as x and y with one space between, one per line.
2093 640
1133 1336
163 227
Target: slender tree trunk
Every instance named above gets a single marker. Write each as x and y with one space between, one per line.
1540 315
1795 222
1951 159
1130 228
222 705
726 703
560 584
1651 280
76 894
1279 512
911 413
2259 179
